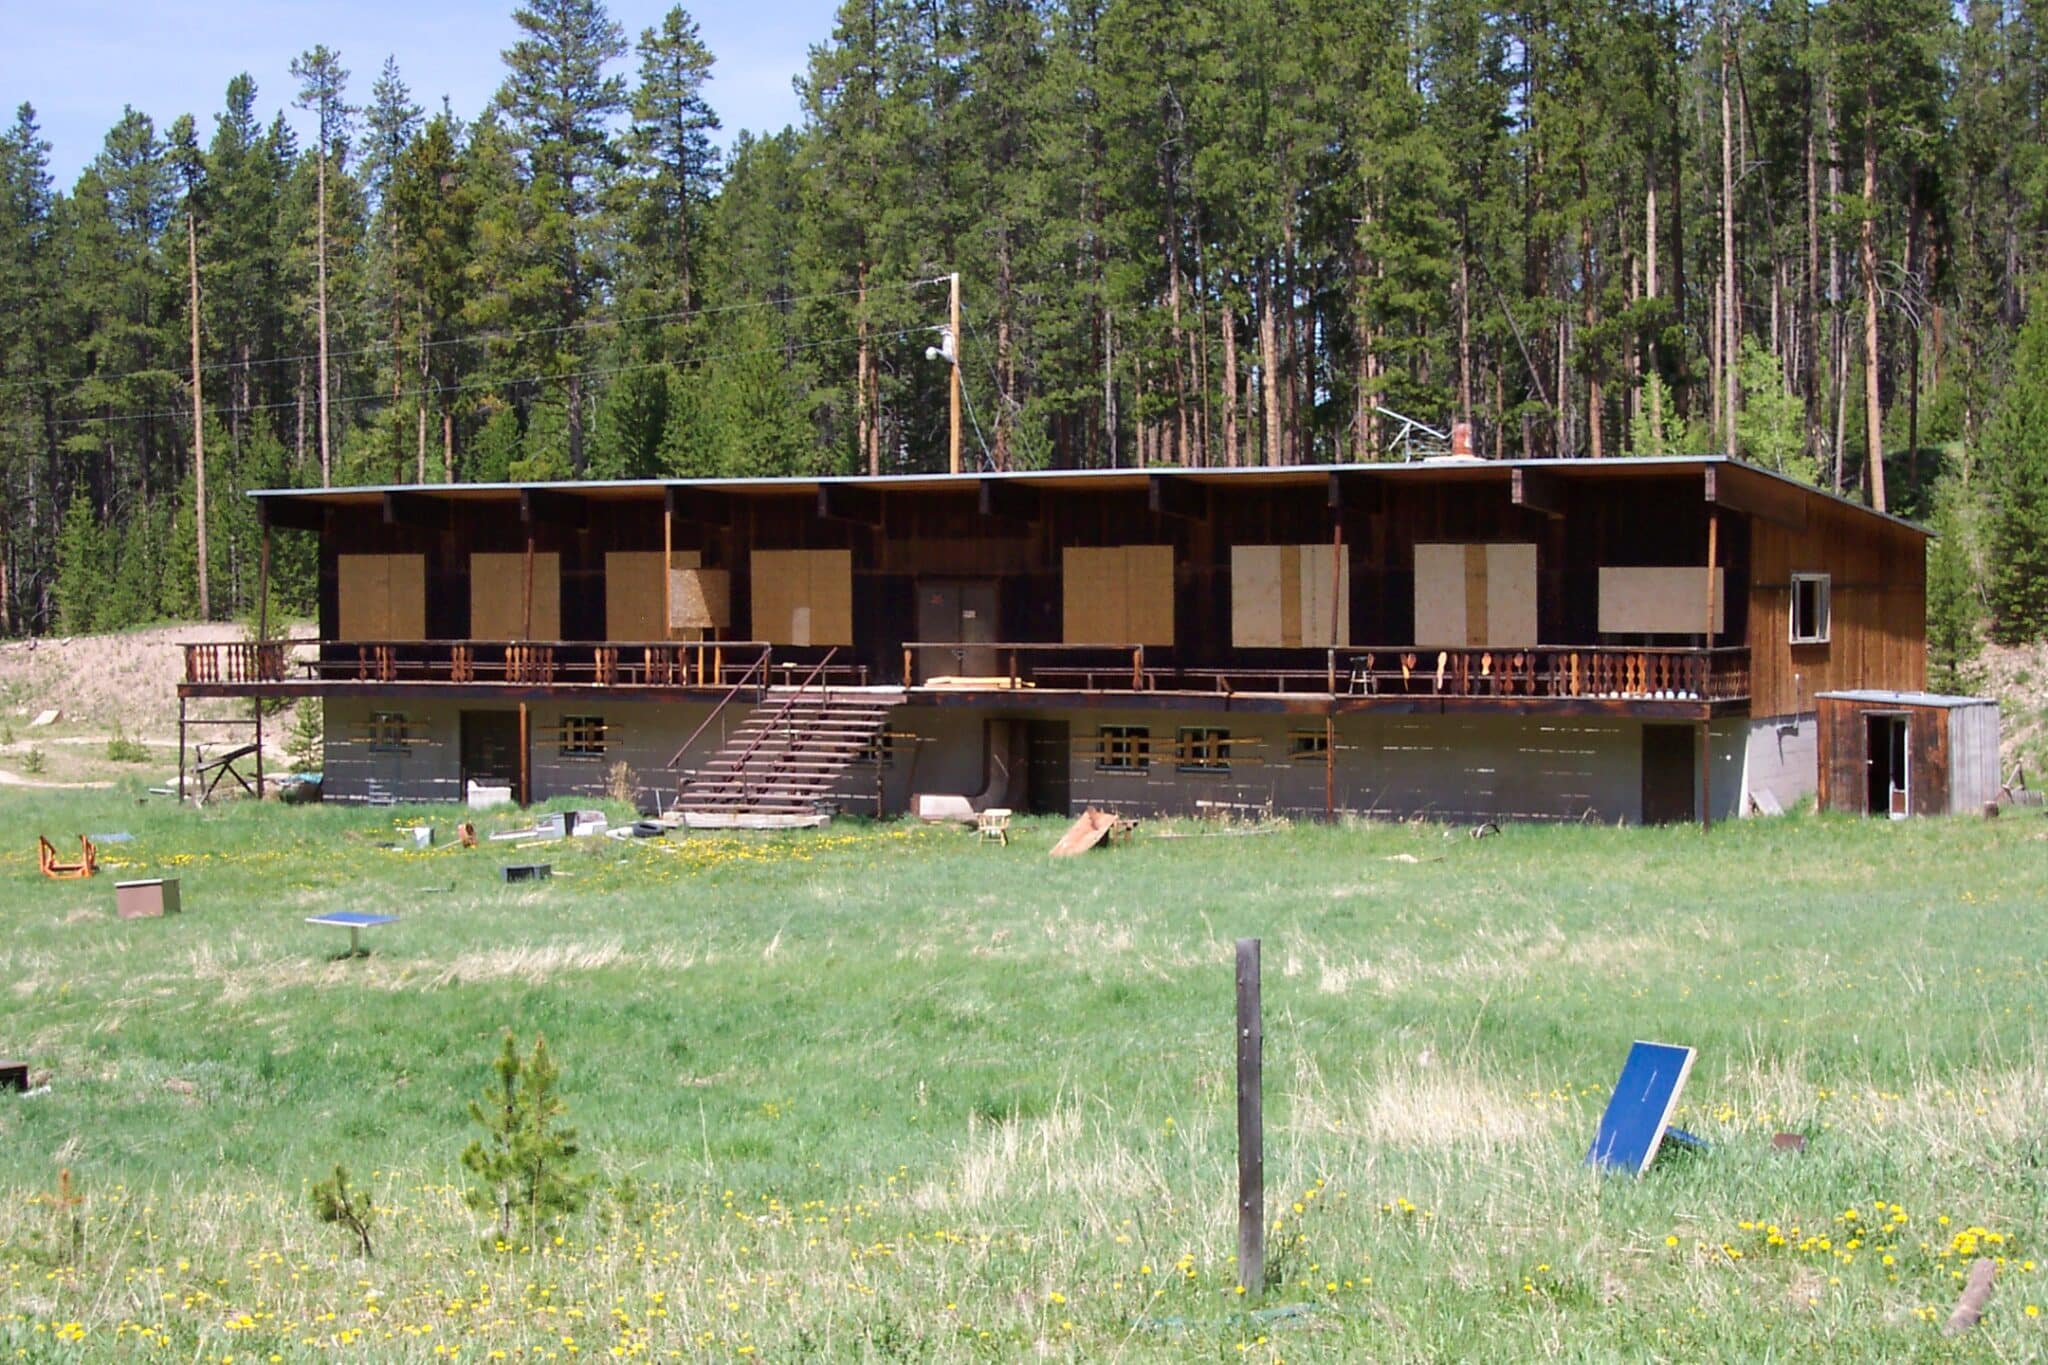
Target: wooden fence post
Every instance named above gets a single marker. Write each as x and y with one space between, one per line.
1251 1138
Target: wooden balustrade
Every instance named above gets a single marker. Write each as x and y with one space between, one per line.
1577 672
235 661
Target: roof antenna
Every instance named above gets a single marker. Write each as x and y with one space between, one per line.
1418 440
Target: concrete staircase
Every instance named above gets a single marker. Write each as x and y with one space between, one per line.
781 762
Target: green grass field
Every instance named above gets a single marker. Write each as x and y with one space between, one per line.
877 1092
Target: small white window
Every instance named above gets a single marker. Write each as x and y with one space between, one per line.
1809 609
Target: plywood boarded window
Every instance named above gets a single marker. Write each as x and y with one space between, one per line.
699 599
1478 596
1308 744
497 597
1289 596
1202 750
1123 749
633 595
583 737
803 597
381 597
1660 601
387 733
1117 595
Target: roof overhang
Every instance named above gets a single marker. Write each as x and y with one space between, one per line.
1539 485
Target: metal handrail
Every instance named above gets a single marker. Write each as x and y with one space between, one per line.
760 663
740 764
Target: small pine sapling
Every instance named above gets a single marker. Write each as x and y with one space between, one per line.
525 1160
335 1201
305 742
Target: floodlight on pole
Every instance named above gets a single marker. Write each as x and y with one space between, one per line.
948 350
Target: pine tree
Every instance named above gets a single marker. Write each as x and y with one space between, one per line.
525 1162
1954 602
558 100
191 170
674 172
323 85
2015 451
430 210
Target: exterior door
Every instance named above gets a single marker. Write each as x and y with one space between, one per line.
1668 775
1887 748
490 749
961 612
1047 755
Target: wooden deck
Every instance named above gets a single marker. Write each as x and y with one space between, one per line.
1582 678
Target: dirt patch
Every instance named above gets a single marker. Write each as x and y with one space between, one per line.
2018 676
129 679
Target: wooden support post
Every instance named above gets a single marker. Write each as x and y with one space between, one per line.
1137 668
668 557
1251 1133
263 587
256 705
908 680
525 759
526 607
1713 554
1337 622
181 750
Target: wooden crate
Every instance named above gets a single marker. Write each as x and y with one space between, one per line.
151 898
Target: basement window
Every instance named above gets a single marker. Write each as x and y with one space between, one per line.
1203 750
583 737
1303 745
1809 609
1123 749
387 733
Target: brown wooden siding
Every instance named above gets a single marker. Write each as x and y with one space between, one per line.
1878 594
1844 745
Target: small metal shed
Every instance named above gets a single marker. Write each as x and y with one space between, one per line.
1906 753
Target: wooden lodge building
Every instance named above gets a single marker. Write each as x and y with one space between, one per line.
1624 639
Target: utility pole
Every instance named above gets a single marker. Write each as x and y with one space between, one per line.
953 332
198 410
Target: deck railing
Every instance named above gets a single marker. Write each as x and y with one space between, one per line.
1590 672
236 661
1095 667
652 663
1582 672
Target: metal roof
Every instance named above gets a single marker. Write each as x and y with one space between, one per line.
1881 698
1453 468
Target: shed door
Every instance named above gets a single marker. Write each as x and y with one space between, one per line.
1887 755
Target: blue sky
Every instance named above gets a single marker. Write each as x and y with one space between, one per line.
79 61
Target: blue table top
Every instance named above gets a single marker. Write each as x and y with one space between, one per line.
351 919
1640 1109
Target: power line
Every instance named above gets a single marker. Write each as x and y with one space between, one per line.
495 382
469 338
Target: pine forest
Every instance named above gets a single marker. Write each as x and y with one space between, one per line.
1221 233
